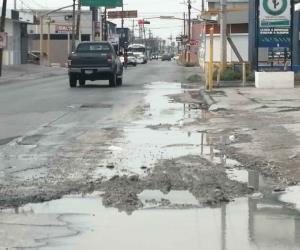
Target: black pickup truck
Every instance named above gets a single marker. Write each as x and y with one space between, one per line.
95 61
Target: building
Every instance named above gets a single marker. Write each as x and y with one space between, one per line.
57 34
237 26
16 24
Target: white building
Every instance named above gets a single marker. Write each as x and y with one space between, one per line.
237 20
17 39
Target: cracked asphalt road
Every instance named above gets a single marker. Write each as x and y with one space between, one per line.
126 163
52 137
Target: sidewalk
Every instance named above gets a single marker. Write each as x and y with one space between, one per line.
266 126
29 72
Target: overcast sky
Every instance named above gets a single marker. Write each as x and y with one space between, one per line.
146 9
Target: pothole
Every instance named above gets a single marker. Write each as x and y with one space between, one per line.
96 105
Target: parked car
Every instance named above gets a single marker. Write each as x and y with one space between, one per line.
95 61
131 59
166 57
33 57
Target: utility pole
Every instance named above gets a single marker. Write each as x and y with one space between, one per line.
48 40
73 26
2 29
189 20
184 23
94 22
223 34
15 4
133 35
105 25
189 31
144 32
122 26
78 21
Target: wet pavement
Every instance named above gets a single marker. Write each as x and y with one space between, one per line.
163 181
76 222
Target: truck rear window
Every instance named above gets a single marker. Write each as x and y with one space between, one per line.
94 47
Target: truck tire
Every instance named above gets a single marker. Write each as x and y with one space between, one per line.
82 82
72 81
113 81
119 81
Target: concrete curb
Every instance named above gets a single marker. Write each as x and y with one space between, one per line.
28 77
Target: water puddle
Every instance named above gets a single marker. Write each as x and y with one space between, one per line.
292 195
153 198
167 138
81 222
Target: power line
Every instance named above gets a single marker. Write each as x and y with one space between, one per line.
38 4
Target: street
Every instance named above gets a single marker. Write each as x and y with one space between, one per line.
150 125
49 123
85 166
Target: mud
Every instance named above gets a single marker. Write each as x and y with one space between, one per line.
121 162
208 183
169 146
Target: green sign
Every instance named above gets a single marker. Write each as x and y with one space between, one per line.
102 3
275 7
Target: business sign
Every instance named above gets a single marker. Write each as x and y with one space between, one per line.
122 14
63 28
275 28
143 22
275 13
102 3
3 40
114 39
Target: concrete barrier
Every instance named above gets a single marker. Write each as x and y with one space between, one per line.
275 80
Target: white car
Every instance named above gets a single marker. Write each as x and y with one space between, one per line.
131 60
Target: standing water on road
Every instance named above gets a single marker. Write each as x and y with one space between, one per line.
75 222
174 172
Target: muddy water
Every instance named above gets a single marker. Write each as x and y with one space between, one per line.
161 134
81 222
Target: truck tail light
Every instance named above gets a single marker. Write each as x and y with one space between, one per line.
109 57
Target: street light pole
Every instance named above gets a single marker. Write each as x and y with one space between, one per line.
2 29
189 31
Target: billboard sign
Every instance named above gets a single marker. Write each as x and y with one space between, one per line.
124 14
102 3
143 22
63 29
